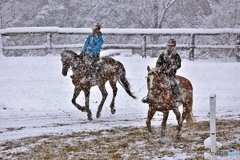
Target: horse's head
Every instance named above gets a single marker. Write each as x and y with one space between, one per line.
66 58
154 77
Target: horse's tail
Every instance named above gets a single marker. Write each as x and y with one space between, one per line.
187 101
190 119
189 115
124 82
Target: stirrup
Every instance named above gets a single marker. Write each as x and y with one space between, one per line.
145 99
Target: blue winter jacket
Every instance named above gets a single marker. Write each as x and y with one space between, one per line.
93 44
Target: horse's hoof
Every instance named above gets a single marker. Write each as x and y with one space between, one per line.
151 131
113 111
178 136
89 116
163 134
163 140
98 114
83 109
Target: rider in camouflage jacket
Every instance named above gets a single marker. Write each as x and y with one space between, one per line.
168 60
168 63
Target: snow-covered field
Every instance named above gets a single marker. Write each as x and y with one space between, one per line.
35 99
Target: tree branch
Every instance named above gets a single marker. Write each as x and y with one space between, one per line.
165 9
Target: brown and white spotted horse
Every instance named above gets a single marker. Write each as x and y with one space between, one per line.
161 99
84 78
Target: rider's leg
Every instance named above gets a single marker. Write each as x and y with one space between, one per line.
95 69
175 90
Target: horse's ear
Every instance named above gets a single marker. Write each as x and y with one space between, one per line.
148 68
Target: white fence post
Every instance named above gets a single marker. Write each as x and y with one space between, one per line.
192 47
49 43
213 125
237 49
144 47
1 46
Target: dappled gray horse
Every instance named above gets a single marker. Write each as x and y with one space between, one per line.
85 76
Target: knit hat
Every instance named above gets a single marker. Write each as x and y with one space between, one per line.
98 26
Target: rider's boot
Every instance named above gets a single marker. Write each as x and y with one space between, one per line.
145 99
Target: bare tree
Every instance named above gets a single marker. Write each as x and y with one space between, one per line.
160 9
4 13
225 15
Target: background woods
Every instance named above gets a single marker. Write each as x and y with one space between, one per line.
123 14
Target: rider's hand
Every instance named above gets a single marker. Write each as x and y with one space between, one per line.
168 70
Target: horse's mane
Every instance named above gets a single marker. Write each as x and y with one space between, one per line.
153 70
71 52
159 79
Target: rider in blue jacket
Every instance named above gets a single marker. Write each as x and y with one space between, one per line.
91 52
94 42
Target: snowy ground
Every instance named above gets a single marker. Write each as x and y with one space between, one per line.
35 99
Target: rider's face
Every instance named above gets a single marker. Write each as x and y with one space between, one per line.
170 47
95 31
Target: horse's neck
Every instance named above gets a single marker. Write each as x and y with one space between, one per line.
160 91
78 66
159 84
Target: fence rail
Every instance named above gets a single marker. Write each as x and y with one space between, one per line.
49 31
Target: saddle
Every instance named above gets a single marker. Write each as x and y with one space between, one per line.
97 69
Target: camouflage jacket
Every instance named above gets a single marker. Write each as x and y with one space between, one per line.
168 60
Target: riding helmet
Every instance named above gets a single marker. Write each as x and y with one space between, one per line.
98 26
171 42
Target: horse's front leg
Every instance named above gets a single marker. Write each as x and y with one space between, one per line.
115 89
75 95
164 122
151 113
104 97
87 97
179 119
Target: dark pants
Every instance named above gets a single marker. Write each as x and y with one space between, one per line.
90 60
174 86
92 63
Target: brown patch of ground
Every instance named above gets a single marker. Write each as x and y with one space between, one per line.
125 143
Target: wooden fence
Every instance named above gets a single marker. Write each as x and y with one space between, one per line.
49 31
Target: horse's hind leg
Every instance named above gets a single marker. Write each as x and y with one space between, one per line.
115 89
75 95
104 97
87 96
179 119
